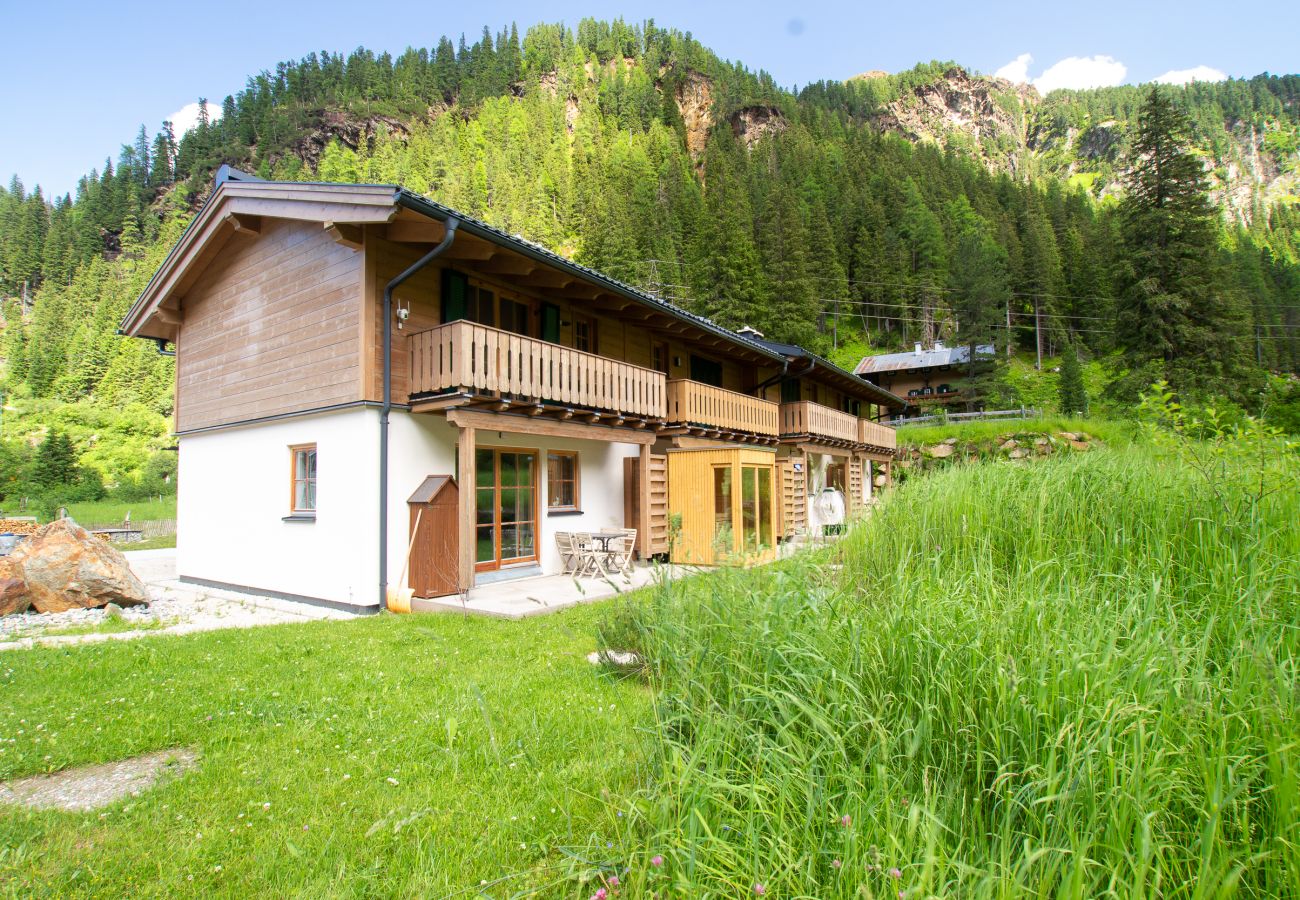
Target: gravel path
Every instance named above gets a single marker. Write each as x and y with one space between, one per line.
176 608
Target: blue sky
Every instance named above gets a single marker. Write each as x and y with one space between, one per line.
77 80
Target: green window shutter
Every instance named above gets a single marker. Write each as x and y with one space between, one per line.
550 323
455 287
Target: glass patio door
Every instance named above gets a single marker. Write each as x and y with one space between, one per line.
506 507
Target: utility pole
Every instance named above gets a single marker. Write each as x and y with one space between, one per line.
835 327
1259 349
1008 326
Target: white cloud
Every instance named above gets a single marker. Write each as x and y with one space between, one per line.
187 117
1071 72
1079 72
1017 70
1197 73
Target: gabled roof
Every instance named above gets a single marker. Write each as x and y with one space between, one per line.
237 194
920 359
845 379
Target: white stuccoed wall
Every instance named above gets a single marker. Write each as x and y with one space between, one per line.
234 494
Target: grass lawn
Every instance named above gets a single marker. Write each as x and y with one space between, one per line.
101 512
1111 432
161 542
388 756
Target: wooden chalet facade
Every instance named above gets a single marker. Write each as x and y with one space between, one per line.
553 398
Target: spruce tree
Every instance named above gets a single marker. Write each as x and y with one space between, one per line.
1176 320
923 238
56 461
1073 396
978 292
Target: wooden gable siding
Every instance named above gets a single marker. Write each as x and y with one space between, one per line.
616 338
269 328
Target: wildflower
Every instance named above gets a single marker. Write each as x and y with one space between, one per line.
601 894
846 820
266 806
305 827
392 781
835 863
895 872
656 861
613 881
759 889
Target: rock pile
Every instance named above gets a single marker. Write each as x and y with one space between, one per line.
1016 446
62 566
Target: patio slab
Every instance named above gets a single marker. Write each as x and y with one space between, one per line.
543 593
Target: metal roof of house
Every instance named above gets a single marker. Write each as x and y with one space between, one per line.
431 208
920 359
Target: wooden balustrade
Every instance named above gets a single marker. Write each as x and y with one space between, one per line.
877 435
693 403
474 358
807 418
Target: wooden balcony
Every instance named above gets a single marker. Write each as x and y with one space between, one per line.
873 434
810 421
805 419
698 405
473 359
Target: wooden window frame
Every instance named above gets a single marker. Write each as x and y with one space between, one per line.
576 505
294 480
593 344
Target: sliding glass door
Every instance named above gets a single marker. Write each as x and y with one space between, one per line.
506 501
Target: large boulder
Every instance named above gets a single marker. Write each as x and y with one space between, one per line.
67 567
14 596
939 451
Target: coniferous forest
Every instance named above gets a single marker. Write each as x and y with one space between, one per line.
1095 220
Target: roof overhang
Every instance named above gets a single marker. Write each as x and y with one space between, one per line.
235 208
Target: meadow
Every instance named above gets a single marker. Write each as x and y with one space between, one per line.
1070 678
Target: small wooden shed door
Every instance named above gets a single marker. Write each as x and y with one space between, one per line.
435 546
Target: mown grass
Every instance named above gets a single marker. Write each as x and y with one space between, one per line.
1071 679
1112 432
99 512
399 756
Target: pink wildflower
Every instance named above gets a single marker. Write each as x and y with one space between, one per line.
613 881
895 872
656 861
599 895
835 863
846 821
759 889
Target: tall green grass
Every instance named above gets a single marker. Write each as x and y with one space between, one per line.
1071 679
1110 431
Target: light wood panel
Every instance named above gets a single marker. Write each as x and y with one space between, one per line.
270 328
815 420
876 435
477 359
691 495
692 403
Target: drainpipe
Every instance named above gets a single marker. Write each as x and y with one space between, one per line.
452 224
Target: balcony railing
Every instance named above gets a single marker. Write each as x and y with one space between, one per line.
474 358
807 418
877 435
693 403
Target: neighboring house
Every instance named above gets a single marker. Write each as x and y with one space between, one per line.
923 377
529 395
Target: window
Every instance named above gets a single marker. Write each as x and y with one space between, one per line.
514 316
561 480
659 357
584 335
706 371
303 495
791 391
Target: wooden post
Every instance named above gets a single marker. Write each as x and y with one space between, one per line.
644 539
468 499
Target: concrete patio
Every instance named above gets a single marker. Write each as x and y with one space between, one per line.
539 594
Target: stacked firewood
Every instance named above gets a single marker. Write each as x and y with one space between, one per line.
18 526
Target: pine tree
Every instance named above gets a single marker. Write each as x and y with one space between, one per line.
1175 313
56 461
978 292
928 257
1073 397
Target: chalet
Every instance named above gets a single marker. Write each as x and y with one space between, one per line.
344 349
923 377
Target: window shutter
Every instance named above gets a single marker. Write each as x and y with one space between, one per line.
550 323
454 288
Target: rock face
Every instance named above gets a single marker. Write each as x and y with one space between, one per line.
751 123
985 115
66 567
695 103
14 597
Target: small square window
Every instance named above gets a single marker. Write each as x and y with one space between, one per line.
303 494
561 480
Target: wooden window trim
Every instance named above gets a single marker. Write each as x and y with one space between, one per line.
295 511
576 505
